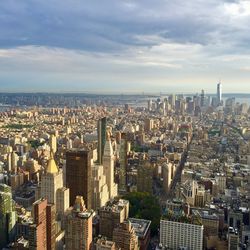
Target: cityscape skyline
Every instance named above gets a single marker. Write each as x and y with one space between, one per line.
124 125
142 45
132 172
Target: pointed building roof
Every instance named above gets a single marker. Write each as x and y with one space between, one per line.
108 150
52 167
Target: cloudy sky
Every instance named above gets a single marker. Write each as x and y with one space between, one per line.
124 45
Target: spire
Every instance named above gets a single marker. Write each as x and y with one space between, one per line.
108 135
52 167
108 150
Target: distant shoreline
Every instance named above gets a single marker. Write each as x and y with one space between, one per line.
95 94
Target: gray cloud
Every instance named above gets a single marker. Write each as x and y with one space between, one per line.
112 25
125 40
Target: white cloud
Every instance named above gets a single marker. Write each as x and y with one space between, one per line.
125 41
239 9
246 68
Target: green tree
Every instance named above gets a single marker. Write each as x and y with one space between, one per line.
145 206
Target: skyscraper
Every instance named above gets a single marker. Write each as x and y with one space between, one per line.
171 100
51 180
52 186
12 162
51 226
53 143
38 230
108 164
123 164
42 233
7 216
219 92
202 98
78 233
101 132
114 213
78 175
125 237
100 193
167 174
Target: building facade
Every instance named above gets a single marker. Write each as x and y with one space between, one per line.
111 215
176 235
108 164
8 216
101 133
78 175
100 194
52 187
38 230
125 237
78 226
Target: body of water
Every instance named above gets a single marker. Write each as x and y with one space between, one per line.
143 101
241 100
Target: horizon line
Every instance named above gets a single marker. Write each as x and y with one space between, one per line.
157 93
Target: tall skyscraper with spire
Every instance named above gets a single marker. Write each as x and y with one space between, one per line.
108 164
122 187
219 92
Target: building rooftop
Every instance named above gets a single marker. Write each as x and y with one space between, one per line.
23 241
80 150
105 243
85 214
140 226
115 205
181 218
25 194
206 215
25 220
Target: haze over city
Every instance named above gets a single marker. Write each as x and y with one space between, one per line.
124 46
